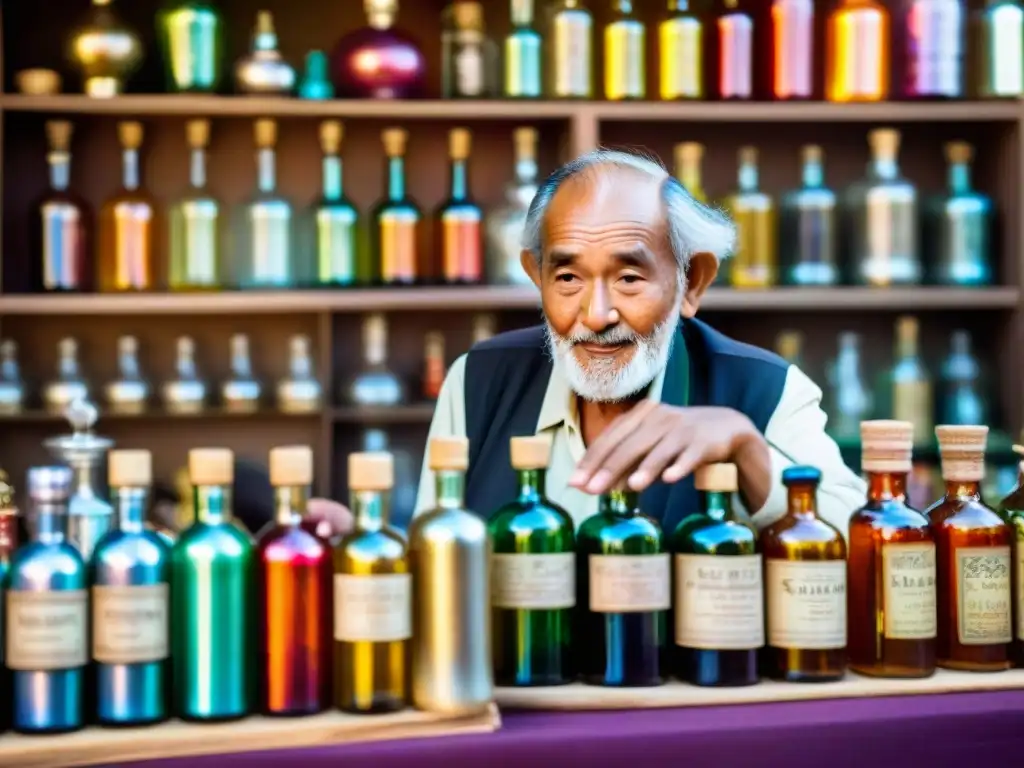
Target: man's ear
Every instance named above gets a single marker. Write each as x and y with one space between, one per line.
700 275
529 261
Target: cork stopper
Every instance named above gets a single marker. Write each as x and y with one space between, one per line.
129 469
127 346
962 452
211 466
265 23
291 466
716 477
38 82
375 331
812 153
58 134
239 345
690 153
459 142
748 155
394 141
67 347
959 152
468 15
330 136
789 344
197 133
371 471
449 453
130 134
186 347
533 452
266 133
298 346
884 142
433 346
886 446
907 329
525 140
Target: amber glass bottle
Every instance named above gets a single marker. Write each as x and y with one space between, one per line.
974 565
805 587
1012 511
890 588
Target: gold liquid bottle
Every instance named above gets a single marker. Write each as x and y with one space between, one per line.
911 384
372 593
857 51
570 53
396 219
127 220
625 66
681 53
755 263
195 251
689 156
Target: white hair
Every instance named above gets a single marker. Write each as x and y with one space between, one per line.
692 226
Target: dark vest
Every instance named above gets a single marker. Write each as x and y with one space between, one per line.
507 377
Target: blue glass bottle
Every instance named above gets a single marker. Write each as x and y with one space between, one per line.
47 590
719 593
962 403
523 47
959 226
130 576
809 228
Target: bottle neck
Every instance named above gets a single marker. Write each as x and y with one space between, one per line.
9 370
290 504
60 171
747 177
679 6
51 522
813 174
526 171
965 490
717 504
460 182
531 485
128 363
959 178
370 509
212 504
130 171
619 502
197 169
802 501
332 178
450 486
266 171
131 508
887 486
885 167
300 366
396 179
689 177
186 367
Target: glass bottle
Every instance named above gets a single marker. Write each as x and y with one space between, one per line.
755 262
570 54
891 593
962 402
337 219
195 222
533 577
211 599
186 392
460 219
12 386
810 233
8 545
523 54
484 327
396 219
792 49
128 394
735 52
378 61
719 589
127 221
434 367
930 46
47 586
106 50
61 234
451 629
315 84
241 392
294 603
191 35
851 401
372 596
911 384
805 587
69 385
1011 509
300 391
505 223
789 345
469 59
266 255
689 157
882 219
857 51
130 577
625 65
375 384
975 568
681 53
264 71
407 475
957 232
998 48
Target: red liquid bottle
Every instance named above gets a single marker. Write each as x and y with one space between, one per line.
294 592
378 61
792 46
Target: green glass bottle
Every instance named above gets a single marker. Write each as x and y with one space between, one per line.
533 577
337 219
622 587
211 599
719 592
195 223
1012 510
190 33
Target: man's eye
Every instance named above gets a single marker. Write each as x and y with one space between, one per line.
630 279
565 277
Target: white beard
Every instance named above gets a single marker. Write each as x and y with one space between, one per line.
606 380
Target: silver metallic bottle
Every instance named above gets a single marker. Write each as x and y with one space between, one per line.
448 555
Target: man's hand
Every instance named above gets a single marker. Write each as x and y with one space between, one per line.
655 440
334 518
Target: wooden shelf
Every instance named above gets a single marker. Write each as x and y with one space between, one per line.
493 298
399 414
43 417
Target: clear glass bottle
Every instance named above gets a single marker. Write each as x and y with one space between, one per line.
523 54
810 230
186 392
459 219
625 54
735 49
69 385
930 42
755 262
12 386
469 59
570 50
241 393
128 394
505 223
962 402
337 219
851 401
396 219
911 383
681 53
264 71
857 52
375 384
195 223
998 48
882 221
300 391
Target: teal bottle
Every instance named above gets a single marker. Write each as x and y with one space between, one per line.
315 85
337 220
523 51
212 622
623 593
533 577
719 593
962 403
191 41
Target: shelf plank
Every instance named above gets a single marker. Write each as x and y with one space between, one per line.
494 298
400 414
210 414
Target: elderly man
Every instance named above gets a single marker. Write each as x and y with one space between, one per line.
631 387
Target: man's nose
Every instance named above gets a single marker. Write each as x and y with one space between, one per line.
598 312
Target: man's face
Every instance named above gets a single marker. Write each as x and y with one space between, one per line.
610 285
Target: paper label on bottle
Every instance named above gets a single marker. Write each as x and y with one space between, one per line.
629 583
47 630
533 582
130 624
375 609
806 604
908 594
719 602
983 595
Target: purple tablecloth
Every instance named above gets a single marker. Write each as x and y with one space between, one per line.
909 731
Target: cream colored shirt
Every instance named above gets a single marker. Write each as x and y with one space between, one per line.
795 435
